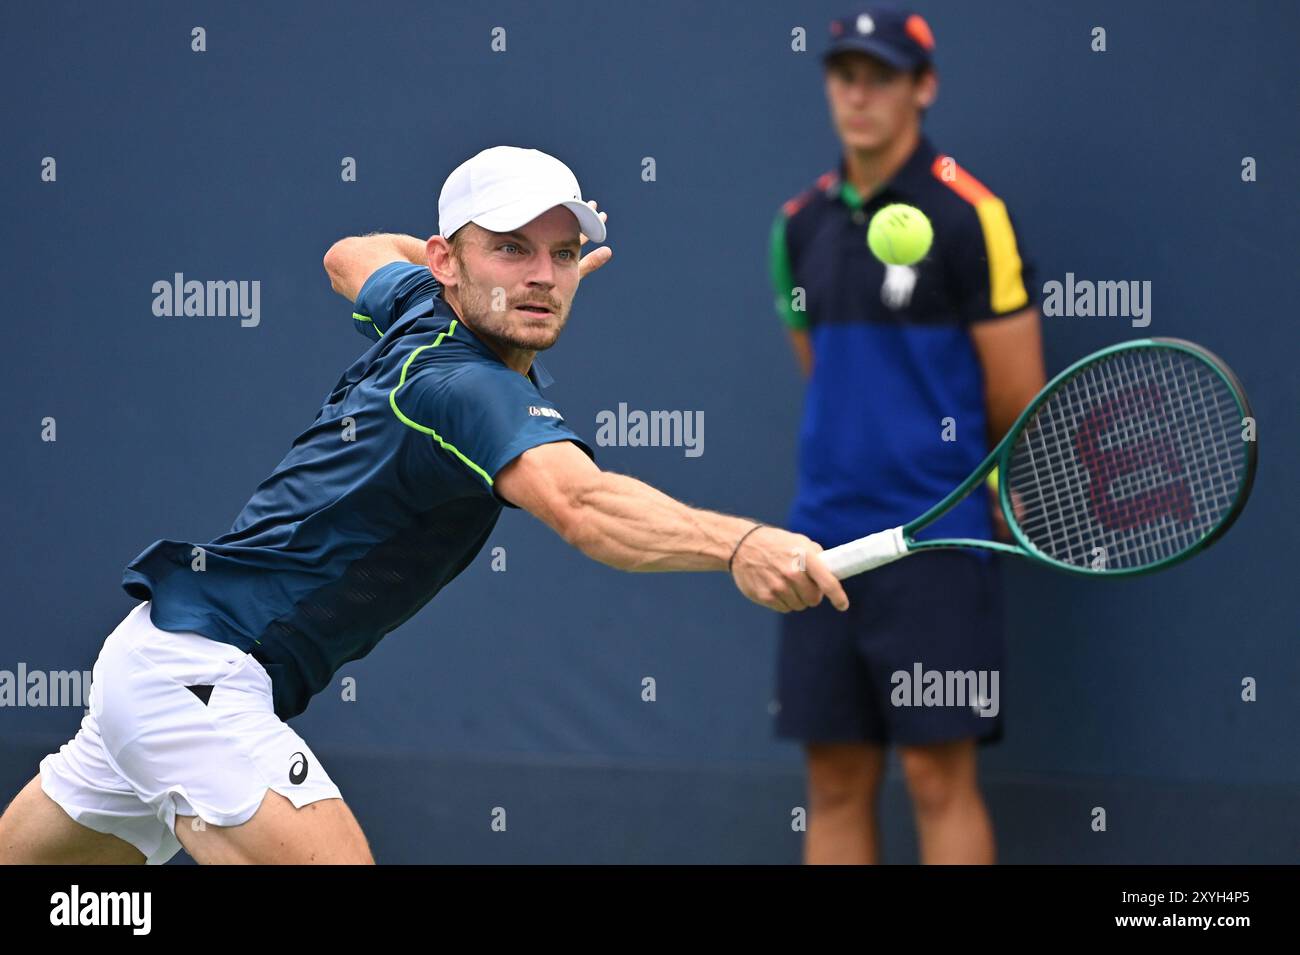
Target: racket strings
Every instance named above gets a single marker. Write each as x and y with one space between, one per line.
1131 461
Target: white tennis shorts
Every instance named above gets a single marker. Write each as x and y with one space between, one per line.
150 748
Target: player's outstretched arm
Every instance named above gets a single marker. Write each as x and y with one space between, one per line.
628 524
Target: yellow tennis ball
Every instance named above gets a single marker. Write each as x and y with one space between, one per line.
899 235
992 480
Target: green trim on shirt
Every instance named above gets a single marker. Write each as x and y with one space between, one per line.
392 401
849 193
783 277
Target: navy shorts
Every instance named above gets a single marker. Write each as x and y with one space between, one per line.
916 659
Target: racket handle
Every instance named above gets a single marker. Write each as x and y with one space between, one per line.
866 553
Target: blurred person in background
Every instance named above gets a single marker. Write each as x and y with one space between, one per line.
912 373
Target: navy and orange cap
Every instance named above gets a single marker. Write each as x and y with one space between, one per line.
898 37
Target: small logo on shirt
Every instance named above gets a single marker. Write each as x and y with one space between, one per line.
900 281
535 411
298 768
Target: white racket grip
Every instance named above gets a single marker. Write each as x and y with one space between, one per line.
866 553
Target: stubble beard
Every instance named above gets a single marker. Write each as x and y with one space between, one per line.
504 327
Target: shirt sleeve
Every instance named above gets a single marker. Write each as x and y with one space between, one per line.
388 293
482 418
782 275
992 277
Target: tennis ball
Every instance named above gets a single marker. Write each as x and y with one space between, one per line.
899 235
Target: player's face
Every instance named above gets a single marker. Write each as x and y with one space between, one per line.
518 287
871 102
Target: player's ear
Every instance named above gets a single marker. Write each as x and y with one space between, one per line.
442 261
927 88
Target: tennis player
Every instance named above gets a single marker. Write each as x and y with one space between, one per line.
912 371
389 494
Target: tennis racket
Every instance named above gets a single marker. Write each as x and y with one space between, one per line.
1127 462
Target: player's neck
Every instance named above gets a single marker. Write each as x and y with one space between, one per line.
516 359
868 169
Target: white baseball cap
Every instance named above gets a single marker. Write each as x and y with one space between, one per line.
506 187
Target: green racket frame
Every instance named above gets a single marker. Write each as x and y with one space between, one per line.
1001 454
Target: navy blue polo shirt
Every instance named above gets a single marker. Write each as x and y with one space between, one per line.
893 359
381 502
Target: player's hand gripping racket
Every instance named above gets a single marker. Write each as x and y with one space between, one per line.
1130 460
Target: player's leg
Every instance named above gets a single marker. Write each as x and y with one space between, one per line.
323 832
35 830
843 786
229 780
188 724
79 808
952 823
823 700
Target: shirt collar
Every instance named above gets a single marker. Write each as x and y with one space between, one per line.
537 374
914 170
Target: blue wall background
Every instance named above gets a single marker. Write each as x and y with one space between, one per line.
522 689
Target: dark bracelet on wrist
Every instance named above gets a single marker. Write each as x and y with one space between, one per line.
736 549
